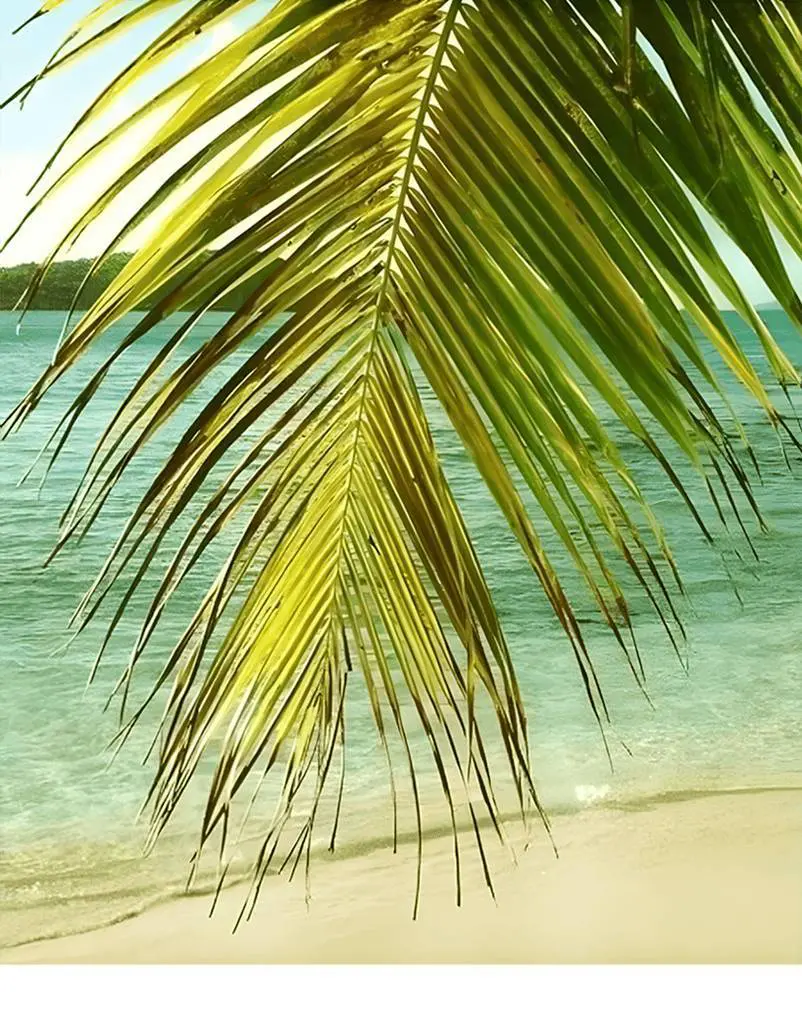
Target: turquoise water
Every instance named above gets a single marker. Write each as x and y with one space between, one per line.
70 850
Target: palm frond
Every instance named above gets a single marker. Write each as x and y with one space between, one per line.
508 194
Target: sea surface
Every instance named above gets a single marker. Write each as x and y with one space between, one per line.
725 713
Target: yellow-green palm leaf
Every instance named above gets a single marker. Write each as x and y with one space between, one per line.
504 193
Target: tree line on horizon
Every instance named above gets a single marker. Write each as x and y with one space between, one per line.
64 278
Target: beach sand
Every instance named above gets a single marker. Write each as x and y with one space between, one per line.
714 879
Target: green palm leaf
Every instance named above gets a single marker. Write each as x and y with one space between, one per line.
510 195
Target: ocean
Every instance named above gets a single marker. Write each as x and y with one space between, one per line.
726 714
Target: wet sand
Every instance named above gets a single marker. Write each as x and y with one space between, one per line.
715 879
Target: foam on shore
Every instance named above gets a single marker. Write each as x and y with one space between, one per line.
715 879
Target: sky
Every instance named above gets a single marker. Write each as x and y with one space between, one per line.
29 136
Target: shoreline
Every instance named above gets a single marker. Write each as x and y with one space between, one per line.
689 877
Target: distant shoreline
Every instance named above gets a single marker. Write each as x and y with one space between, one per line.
64 278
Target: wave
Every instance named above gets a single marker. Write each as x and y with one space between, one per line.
598 798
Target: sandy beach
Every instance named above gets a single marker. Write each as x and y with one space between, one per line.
714 879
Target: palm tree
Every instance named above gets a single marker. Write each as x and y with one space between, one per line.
510 198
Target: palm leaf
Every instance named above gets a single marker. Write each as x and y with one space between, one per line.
510 196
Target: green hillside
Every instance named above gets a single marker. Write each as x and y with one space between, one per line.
64 277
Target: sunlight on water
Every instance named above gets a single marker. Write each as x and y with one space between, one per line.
587 794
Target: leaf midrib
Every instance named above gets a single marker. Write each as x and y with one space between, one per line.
406 180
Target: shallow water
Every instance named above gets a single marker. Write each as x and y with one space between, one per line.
70 851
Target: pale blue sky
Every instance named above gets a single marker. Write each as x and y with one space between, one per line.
27 137
56 103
